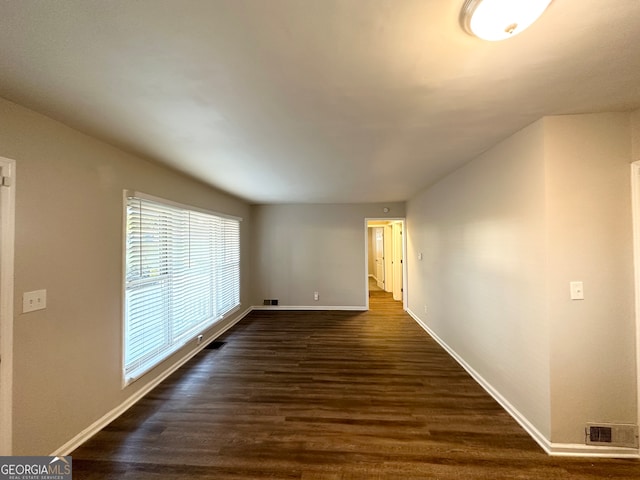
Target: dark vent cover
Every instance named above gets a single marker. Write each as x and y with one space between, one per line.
215 345
612 434
600 434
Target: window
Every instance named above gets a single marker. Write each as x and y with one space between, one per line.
182 273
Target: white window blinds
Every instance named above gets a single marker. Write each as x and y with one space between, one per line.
182 273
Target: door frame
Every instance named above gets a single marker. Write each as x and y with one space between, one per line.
7 238
635 210
397 236
405 287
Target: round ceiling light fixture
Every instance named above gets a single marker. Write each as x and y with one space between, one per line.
495 20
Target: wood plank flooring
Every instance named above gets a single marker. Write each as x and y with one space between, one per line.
325 396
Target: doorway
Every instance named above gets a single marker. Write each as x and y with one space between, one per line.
7 215
385 251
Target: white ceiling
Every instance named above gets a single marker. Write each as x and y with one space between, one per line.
327 101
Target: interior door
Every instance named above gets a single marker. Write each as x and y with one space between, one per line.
379 248
388 258
397 261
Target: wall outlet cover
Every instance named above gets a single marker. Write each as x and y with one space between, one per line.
32 301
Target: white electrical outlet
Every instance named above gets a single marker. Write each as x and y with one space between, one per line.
316 296
425 309
32 301
576 290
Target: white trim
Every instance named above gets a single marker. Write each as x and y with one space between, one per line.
405 273
358 308
367 274
185 206
110 416
7 251
554 449
590 451
635 210
123 291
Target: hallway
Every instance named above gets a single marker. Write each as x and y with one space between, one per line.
325 395
373 285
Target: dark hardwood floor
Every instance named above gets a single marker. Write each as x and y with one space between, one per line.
325 395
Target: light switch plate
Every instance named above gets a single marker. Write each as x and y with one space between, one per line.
577 290
32 301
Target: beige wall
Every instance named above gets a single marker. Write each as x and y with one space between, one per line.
502 239
67 358
301 249
589 238
481 234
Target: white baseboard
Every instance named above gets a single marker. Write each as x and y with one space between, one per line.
555 449
110 416
579 450
311 307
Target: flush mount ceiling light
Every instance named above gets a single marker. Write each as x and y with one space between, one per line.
500 19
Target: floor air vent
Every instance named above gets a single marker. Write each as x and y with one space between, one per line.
618 435
215 345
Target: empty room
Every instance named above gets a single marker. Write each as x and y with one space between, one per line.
320 239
